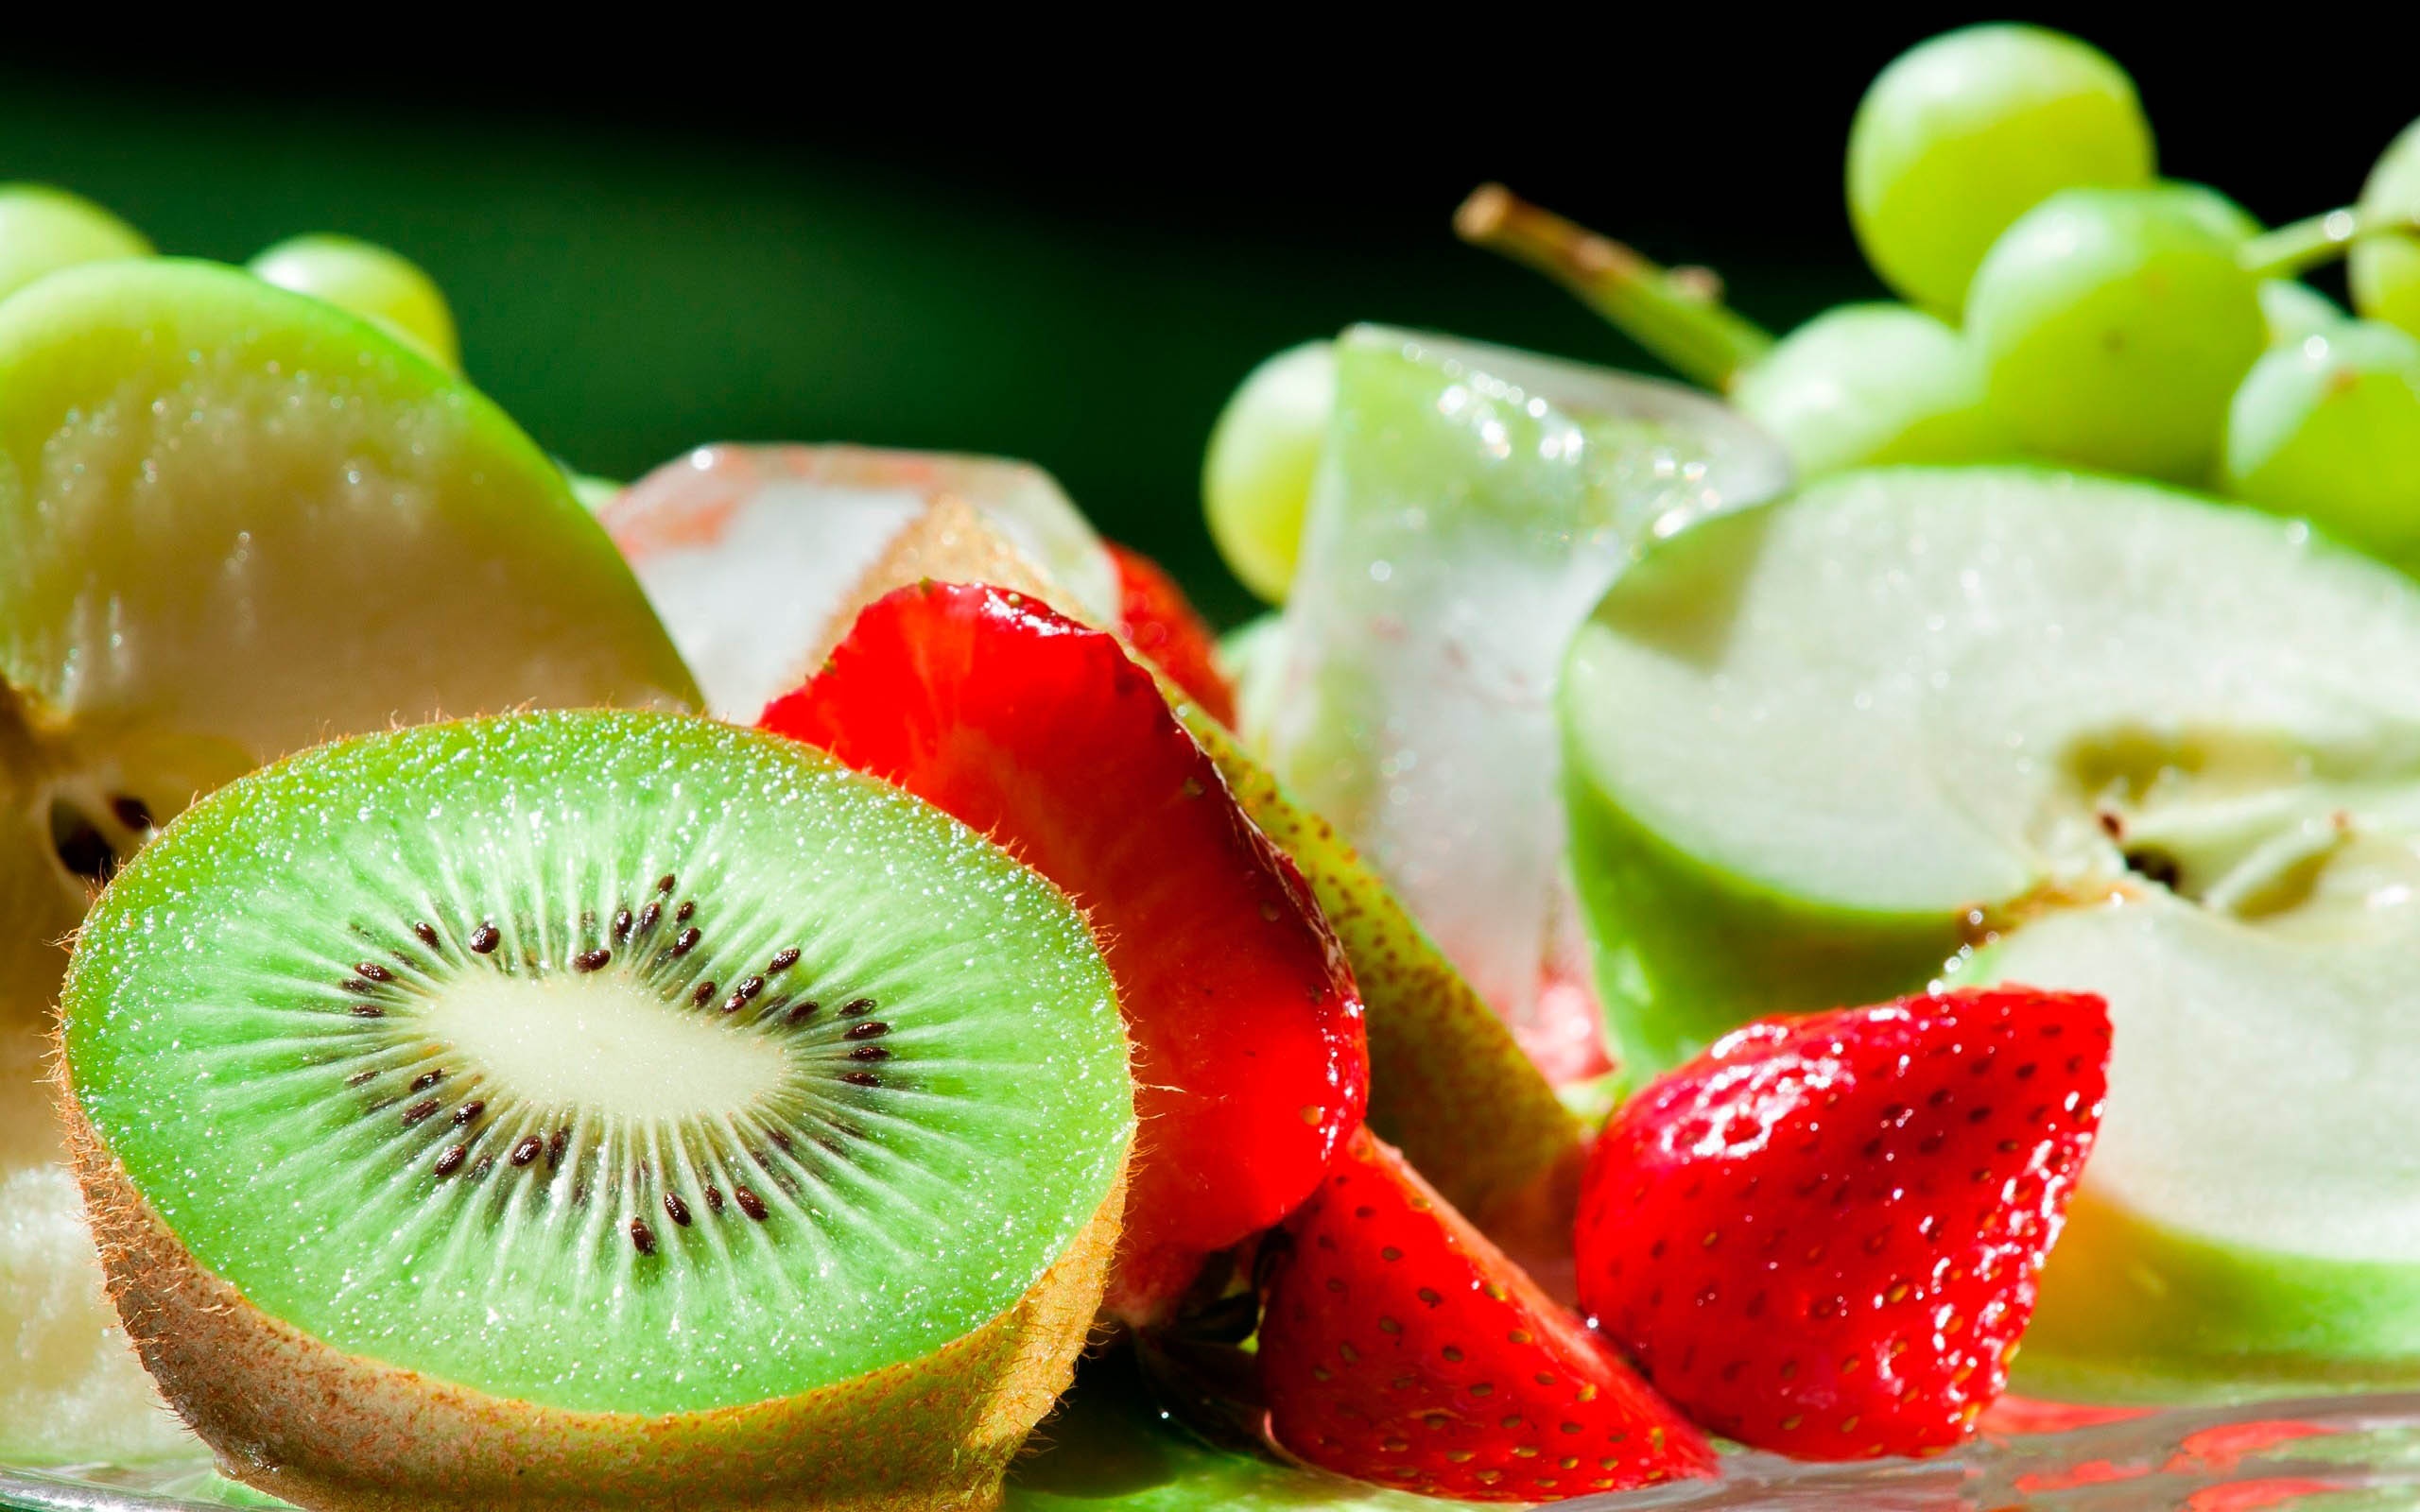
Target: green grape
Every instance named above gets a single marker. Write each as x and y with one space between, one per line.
370 281
2330 429
1873 383
2222 215
1967 132
44 229
2295 310
2113 325
2385 269
1257 479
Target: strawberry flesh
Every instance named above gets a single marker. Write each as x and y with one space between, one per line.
1398 1346
1250 1062
1822 1237
1159 621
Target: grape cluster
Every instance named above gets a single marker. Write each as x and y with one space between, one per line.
2064 302
43 231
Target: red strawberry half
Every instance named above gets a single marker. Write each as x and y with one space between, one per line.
1250 1062
1822 1237
1160 622
1397 1345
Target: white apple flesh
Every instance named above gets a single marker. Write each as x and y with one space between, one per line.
2123 740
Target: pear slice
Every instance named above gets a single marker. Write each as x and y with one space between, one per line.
1448 1085
234 521
1471 505
2155 748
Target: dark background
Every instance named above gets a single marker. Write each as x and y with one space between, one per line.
1067 255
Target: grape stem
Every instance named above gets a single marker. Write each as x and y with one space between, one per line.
2294 249
1676 313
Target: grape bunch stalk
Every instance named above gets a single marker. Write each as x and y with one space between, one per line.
2062 302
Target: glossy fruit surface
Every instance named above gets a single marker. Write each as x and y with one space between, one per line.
1476 502
432 1176
1251 1059
2113 326
2296 310
1257 478
1969 130
1161 623
2077 735
1823 1236
1398 1346
372 282
1868 385
2385 270
2328 429
44 229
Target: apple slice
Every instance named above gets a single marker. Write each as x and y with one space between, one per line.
2169 750
747 551
1472 504
234 521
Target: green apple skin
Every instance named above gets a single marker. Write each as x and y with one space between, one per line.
2133 1310
1685 951
2133 1306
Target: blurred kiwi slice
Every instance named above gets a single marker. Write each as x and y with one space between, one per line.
599 1109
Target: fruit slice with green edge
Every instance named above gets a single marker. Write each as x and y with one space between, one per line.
595 1106
748 552
233 522
1448 1086
2251 1218
1472 504
1817 750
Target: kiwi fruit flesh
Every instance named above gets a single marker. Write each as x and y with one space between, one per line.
596 1108
233 521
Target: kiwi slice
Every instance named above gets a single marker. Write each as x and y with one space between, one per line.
596 1108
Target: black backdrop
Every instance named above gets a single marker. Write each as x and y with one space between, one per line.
1068 243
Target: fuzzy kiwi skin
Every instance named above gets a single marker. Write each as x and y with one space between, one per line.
293 1416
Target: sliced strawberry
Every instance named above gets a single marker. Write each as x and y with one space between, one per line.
1250 1063
1822 1237
1397 1345
1160 622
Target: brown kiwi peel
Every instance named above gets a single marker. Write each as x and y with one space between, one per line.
1435 1045
291 1415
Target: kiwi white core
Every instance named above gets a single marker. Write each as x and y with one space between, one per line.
603 1043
